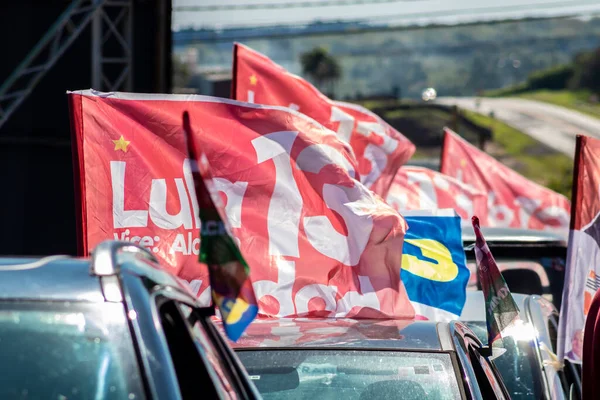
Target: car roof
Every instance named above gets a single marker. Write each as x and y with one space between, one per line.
474 309
341 332
83 279
514 236
48 278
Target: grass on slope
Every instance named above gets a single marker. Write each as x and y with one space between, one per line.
575 100
527 156
578 100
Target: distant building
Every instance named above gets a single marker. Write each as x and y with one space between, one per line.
211 81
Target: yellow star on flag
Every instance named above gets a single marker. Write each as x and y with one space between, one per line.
121 144
253 79
463 162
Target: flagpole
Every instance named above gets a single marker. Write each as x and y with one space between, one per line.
442 152
575 184
562 328
233 94
208 311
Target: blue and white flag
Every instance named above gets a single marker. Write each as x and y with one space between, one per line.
434 266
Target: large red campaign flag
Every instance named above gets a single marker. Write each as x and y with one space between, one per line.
379 148
418 188
582 277
316 240
512 200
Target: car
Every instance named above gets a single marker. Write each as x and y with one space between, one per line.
529 365
339 358
116 326
532 262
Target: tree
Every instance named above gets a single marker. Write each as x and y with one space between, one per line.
321 67
586 74
181 73
483 74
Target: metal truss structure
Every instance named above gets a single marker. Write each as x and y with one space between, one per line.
112 58
112 46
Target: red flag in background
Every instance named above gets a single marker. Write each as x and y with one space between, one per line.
417 188
582 277
513 200
379 148
318 243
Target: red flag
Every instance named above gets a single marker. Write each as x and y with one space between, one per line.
582 276
513 200
379 148
316 240
501 311
417 188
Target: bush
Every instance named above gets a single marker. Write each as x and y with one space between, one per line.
508 91
586 69
555 78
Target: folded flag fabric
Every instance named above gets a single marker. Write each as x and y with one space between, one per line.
379 148
501 311
434 267
417 188
318 242
513 201
582 276
230 284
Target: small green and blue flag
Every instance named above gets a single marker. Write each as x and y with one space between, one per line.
230 284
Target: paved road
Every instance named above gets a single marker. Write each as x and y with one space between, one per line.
552 125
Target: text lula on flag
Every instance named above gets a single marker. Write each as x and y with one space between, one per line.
434 267
582 276
501 311
379 149
513 200
230 284
287 185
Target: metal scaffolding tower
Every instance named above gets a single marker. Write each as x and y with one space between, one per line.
112 57
112 46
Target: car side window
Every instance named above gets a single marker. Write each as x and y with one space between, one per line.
486 378
207 348
553 336
570 375
192 374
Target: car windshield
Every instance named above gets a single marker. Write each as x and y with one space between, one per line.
66 351
517 365
349 374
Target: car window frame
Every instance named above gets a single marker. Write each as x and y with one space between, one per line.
497 386
236 373
159 299
535 317
465 341
469 378
154 357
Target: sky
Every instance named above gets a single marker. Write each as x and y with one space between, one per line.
396 12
